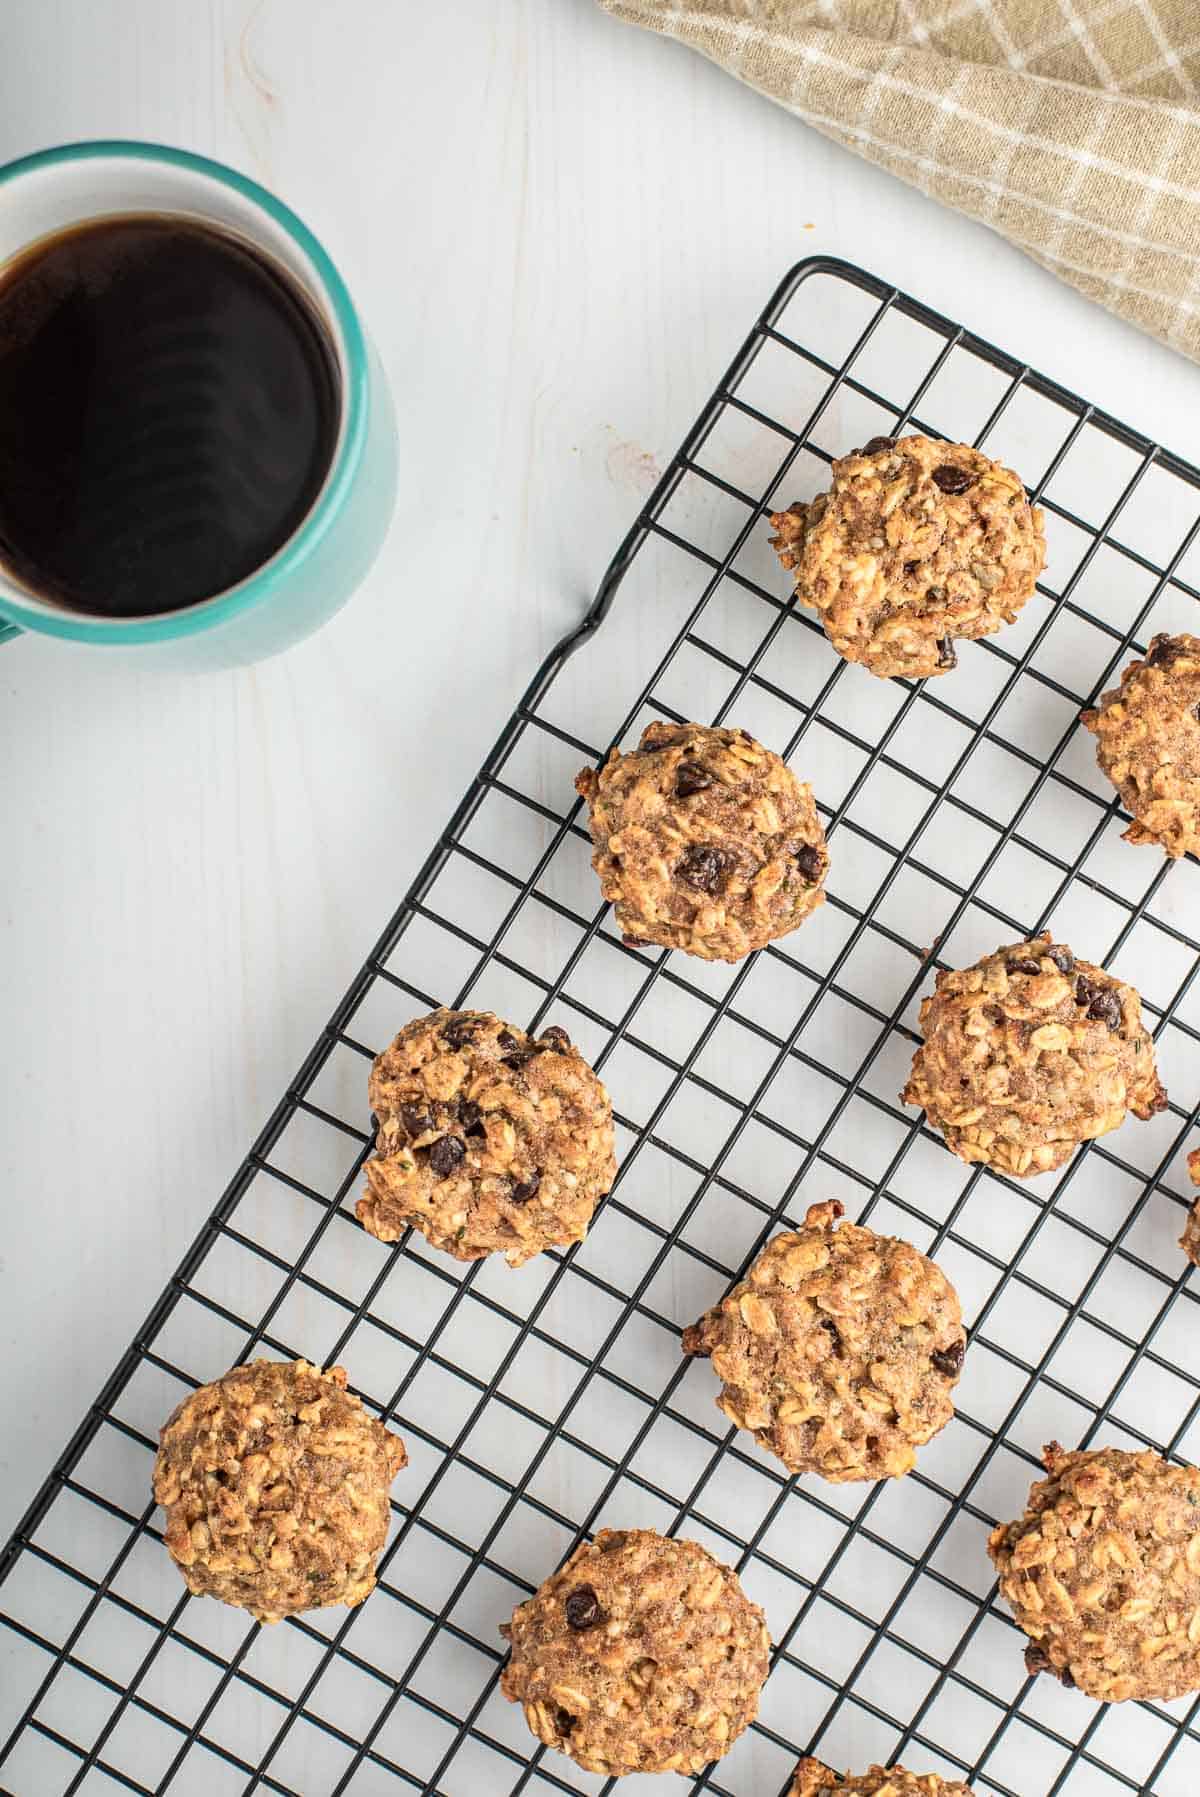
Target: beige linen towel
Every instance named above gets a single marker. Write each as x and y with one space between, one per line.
1070 126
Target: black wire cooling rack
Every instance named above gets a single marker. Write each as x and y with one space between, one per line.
539 1404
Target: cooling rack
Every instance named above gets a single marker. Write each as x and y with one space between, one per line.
539 1404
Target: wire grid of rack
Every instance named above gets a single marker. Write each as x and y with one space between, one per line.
540 1404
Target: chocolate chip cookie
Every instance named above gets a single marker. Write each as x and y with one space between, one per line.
488 1140
641 1654
1103 1573
915 544
839 1350
704 841
815 1780
1029 1053
1189 1241
1148 743
275 1484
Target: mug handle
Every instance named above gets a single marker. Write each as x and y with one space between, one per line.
8 631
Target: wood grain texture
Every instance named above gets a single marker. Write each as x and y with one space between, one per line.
559 230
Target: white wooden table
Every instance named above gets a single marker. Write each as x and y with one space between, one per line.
559 230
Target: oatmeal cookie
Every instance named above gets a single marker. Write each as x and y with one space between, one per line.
704 841
489 1141
839 1350
1029 1053
1148 743
1103 1573
815 1780
916 543
641 1654
1189 1241
275 1484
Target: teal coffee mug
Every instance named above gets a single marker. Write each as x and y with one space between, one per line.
317 566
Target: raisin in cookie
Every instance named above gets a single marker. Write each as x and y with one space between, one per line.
1189 1241
489 1141
1148 743
815 1780
275 1484
916 543
839 1349
704 841
1103 1573
1029 1053
641 1654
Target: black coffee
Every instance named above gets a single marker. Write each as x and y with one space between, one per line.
169 403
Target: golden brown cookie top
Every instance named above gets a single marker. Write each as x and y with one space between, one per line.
275 1483
815 1780
1147 733
839 1350
916 543
1028 1053
1103 1573
489 1140
641 1654
704 841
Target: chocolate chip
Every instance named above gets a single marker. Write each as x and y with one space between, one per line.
1067 1681
1164 651
949 1360
1062 958
447 1154
691 779
583 1609
459 1030
1196 713
911 567
947 658
808 860
519 1052
521 1194
876 446
831 1328
564 1722
471 1117
1036 1659
556 1038
1101 1002
701 868
953 479
1105 1008
1027 966
415 1120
